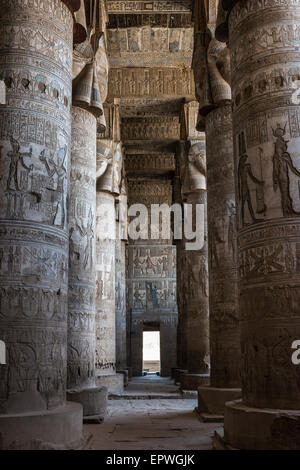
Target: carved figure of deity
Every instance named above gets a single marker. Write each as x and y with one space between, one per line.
245 172
60 170
16 157
282 164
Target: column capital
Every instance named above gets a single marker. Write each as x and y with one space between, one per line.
86 92
212 82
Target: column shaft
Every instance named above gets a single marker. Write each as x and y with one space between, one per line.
82 229
223 288
266 136
105 294
35 63
267 143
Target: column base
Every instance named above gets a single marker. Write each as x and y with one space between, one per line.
218 442
113 382
193 381
57 429
125 376
250 428
93 401
177 373
212 399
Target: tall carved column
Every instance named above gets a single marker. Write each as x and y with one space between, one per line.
180 276
214 96
266 135
36 65
109 164
82 255
120 282
195 283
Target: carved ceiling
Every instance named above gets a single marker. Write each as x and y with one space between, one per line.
149 46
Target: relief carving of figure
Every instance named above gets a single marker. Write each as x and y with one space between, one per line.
60 171
16 157
244 173
282 164
88 233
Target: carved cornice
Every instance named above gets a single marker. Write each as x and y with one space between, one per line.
149 7
146 163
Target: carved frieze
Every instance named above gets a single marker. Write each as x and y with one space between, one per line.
158 128
150 82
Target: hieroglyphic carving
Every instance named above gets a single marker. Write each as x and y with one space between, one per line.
147 7
136 45
105 287
120 299
268 248
156 82
82 236
35 63
149 162
151 272
194 281
150 128
222 241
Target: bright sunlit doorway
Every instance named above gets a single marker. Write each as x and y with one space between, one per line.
151 352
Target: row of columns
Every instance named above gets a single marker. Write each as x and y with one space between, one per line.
253 168
53 293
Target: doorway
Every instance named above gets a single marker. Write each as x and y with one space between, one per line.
151 352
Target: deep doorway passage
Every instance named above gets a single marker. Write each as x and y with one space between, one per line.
151 414
151 352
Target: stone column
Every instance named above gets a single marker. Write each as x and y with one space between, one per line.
109 162
120 282
266 135
215 110
180 274
36 65
82 254
195 282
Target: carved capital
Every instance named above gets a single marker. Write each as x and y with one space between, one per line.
109 166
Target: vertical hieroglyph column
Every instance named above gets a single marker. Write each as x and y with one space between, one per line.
195 281
214 96
120 279
266 134
180 272
109 164
86 108
36 65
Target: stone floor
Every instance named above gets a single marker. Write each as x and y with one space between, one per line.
151 423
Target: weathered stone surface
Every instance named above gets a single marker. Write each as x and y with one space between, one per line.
222 241
93 400
151 279
212 400
36 63
35 140
120 301
82 255
105 293
195 278
266 136
266 140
